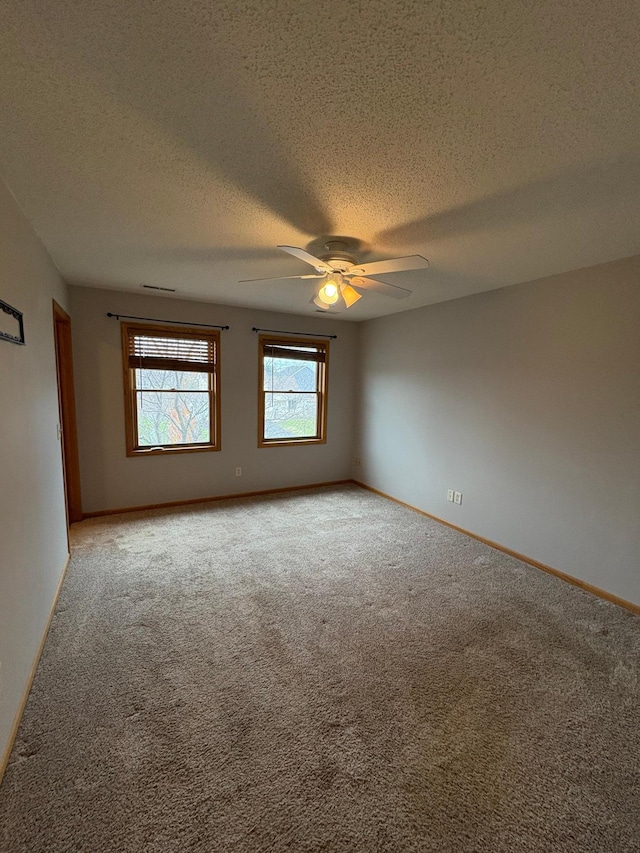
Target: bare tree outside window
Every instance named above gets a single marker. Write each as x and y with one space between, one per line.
173 407
172 389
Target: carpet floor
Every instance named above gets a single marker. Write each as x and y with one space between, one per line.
323 671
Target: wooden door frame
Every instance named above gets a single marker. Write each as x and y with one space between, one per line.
67 410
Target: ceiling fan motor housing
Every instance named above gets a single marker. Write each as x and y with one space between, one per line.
337 257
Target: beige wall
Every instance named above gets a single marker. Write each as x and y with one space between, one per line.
33 537
111 480
527 400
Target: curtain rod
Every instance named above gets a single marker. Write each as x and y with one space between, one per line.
285 332
155 320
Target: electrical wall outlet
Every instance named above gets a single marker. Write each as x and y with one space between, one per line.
238 472
358 461
450 495
457 498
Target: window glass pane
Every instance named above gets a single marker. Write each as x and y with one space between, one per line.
290 415
288 374
171 380
172 417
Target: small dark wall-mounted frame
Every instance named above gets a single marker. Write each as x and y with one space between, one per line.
17 316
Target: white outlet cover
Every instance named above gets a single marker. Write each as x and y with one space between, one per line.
457 498
450 495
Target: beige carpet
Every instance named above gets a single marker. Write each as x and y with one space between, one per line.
323 671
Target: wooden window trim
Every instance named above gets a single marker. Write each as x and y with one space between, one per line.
130 408
323 391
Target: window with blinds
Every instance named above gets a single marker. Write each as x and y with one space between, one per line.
293 391
171 380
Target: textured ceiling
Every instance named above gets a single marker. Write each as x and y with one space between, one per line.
176 143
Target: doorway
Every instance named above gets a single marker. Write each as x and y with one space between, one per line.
68 431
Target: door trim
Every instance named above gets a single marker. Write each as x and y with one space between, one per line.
67 410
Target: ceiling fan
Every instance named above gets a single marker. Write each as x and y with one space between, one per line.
341 277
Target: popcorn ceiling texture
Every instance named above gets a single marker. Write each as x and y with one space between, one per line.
322 671
177 143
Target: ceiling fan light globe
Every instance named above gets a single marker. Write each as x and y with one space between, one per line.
329 293
317 301
350 295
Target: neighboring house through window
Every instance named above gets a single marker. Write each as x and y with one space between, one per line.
293 391
172 397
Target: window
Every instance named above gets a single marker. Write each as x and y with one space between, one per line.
171 384
293 391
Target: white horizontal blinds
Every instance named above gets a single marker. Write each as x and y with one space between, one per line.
164 350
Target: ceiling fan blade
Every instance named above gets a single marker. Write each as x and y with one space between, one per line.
381 287
306 257
280 278
411 262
